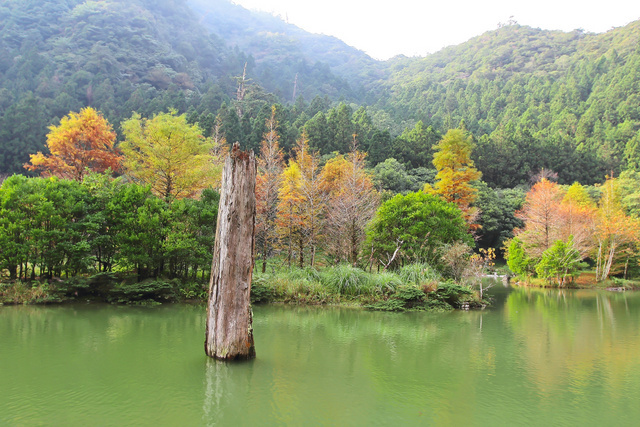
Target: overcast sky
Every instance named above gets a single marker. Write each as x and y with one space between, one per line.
413 27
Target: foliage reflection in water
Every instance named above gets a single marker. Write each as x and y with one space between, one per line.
538 357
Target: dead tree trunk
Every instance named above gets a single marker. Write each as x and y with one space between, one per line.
229 321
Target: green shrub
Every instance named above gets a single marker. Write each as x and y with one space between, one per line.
261 292
98 286
154 290
406 297
453 294
193 290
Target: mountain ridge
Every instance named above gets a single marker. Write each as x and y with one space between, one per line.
509 87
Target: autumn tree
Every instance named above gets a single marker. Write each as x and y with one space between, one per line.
302 202
82 143
270 166
615 230
290 217
456 172
352 202
541 215
314 197
577 222
168 154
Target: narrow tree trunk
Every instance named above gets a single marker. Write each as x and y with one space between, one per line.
301 254
229 332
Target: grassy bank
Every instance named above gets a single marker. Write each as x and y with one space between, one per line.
414 287
103 287
585 280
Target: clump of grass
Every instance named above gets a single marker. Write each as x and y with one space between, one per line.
625 284
348 280
409 298
24 293
414 287
386 282
306 273
419 274
298 286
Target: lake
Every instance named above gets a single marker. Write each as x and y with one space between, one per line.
538 357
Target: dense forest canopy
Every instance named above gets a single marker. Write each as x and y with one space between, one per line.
532 99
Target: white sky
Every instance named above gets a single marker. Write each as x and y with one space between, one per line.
413 27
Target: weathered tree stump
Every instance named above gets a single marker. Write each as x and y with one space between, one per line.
229 332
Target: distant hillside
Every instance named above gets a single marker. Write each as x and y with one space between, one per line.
281 50
573 92
121 56
533 99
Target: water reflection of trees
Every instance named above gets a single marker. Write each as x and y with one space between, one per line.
535 354
362 365
577 342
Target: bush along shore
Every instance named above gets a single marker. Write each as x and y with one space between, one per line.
102 287
415 287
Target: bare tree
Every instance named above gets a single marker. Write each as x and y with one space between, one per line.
241 92
270 165
352 203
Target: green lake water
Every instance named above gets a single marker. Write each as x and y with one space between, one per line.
539 357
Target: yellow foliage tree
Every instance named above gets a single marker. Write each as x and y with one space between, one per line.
168 154
313 204
615 230
456 172
290 216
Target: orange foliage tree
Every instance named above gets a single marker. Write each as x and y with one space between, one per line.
270 166
456 172
302 203
542 218
578 219
83 142
352 203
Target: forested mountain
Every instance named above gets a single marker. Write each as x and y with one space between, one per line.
533 93
61 55
122 56
280 51
532 99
